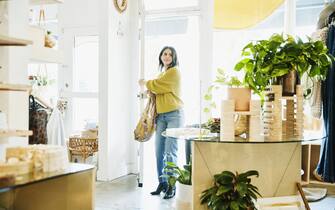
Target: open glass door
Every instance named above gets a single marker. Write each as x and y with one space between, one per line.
179 30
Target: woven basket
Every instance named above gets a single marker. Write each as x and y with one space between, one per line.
82 146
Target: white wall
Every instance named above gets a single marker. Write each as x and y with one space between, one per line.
118 70
79 13
118 63
14 63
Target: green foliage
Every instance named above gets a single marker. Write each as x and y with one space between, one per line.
220 81
213 124
41 80
175 174
265 60
231 192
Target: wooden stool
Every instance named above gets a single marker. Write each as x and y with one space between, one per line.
82 146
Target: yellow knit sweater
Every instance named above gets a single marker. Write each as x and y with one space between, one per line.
167 90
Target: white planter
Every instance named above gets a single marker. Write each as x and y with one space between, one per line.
184 195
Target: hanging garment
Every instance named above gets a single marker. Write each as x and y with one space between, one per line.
38 119
326 166
55 128
315 100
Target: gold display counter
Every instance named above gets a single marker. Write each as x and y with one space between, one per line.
70 189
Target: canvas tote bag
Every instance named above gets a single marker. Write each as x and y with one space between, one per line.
146 125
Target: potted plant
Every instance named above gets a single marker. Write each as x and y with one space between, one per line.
237 91
231 192
182 179
283 60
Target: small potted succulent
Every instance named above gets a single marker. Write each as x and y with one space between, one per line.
283 60
231 192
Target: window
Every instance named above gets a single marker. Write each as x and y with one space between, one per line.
307 16
183 36
228 44
182 33
81 86
163 4
85 111
86 64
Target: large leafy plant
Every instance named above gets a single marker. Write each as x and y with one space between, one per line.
175 174
231 192
263 61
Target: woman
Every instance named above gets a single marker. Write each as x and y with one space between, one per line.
168 103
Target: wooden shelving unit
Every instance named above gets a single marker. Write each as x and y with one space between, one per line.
14 87
41 2
310 158
12 133
11 41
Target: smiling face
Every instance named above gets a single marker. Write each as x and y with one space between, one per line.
166 57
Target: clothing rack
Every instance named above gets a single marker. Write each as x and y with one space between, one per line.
43 103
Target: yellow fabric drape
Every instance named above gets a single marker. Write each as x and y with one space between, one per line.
238 14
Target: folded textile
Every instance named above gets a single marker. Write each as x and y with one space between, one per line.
314 194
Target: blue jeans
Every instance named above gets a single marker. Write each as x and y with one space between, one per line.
166 148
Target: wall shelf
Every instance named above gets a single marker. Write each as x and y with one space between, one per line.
41 2
12 133
14 87
11 41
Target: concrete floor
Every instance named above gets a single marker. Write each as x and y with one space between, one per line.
123 194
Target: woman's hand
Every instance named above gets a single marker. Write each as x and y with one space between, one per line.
142 82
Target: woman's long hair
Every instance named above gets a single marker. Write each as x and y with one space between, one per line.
174 58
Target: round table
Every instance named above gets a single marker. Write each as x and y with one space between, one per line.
277 161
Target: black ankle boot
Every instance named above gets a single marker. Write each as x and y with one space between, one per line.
170 193
162 187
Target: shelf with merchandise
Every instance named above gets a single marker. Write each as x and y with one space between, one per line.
12 133
12 41
14 87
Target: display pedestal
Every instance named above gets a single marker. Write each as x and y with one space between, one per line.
66 190
278 165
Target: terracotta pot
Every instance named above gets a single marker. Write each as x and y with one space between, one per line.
289 82
241 96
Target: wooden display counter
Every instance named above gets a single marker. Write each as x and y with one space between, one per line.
66 190
277 161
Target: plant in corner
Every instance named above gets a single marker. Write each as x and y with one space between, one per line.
231 192
183 178
176 174
274 60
